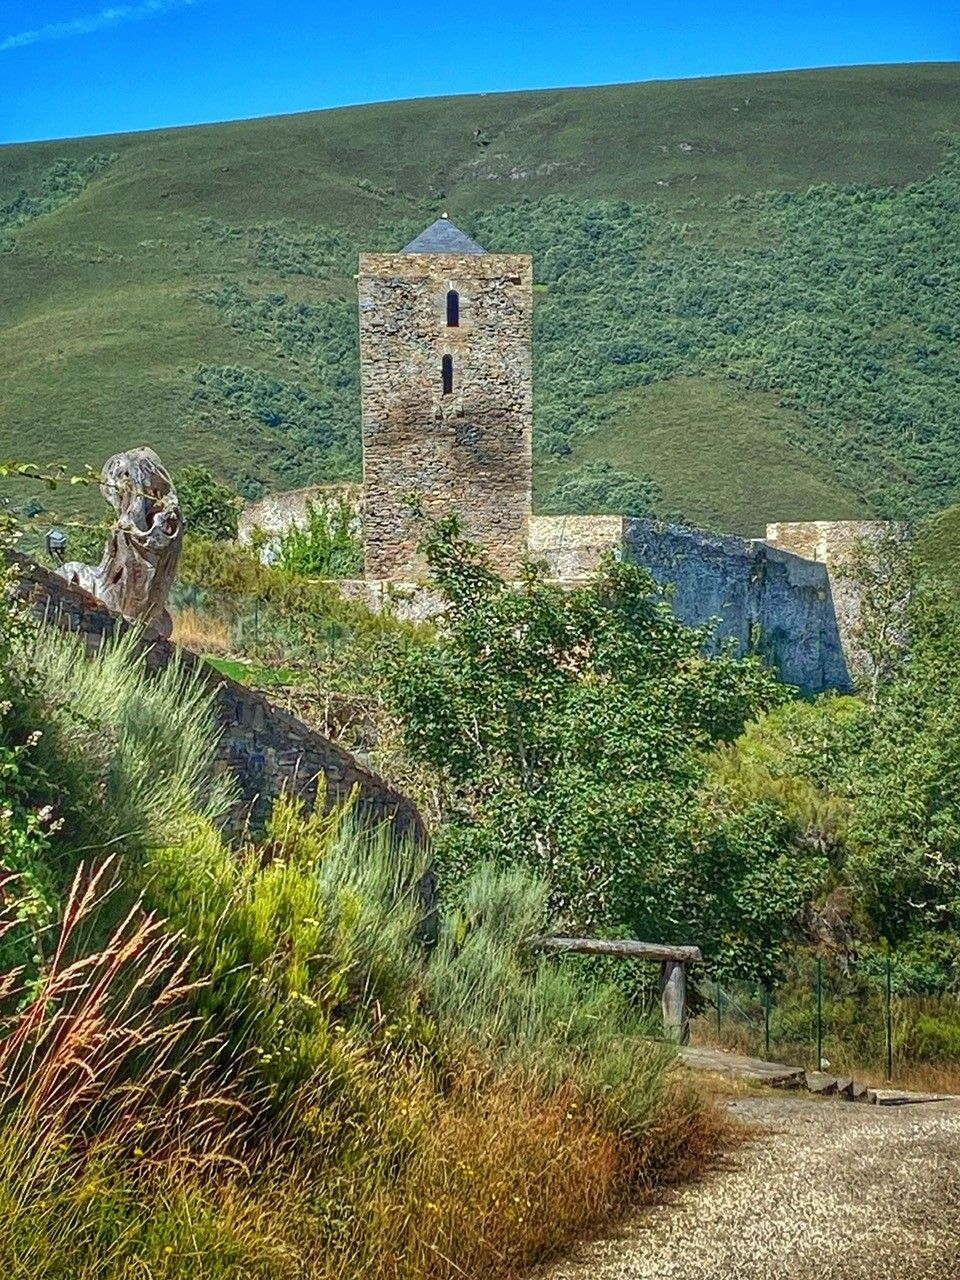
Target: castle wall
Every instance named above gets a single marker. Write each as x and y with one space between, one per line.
468 451
267 750
769 601
834 544
275 513
574 546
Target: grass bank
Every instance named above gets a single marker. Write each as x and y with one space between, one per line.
223 1060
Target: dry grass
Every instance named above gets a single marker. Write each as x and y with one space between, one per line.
920 1077
121 1154
200 632
500 1177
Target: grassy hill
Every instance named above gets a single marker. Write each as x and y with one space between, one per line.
748 286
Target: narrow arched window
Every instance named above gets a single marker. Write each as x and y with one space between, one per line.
447 370
453 309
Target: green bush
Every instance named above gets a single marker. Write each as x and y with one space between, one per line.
302 936
326 546
134 753
932 1039
60 183
210 509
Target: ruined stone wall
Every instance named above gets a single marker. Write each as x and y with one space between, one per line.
574 546
769 601
277 512
833 543
267 750
468 451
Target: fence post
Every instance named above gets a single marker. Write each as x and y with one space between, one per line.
719 1010
889 1017
819 1012
673 999
766 1021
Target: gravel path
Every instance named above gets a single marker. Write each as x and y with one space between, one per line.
828 1191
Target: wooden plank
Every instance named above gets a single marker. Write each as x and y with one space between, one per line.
626 948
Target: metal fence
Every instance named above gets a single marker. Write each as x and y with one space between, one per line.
827 1013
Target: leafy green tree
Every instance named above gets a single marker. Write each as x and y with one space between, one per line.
904 830
210 509
325 546
568 730
873 783
882 572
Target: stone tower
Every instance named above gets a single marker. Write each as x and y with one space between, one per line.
447 397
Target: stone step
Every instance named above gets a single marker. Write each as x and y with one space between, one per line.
820 1083
781 1075
754 1070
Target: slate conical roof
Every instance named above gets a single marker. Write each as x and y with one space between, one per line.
443 237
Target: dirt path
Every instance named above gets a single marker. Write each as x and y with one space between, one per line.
829 1191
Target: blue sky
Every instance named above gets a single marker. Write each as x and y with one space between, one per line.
70 67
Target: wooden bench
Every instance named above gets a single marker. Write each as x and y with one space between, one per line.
673 972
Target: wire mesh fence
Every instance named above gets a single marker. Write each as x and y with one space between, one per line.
830 1014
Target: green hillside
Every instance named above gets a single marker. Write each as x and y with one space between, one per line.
749 287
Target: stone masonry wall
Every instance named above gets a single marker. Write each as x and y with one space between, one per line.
469 451
768 600
277 512
267 750
574 546
833 543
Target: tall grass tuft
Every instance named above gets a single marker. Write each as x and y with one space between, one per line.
200 631
144 741
550 1017
304 934
117 1143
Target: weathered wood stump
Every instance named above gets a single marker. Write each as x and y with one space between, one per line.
142 553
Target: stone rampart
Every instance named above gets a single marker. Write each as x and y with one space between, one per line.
267 750
574 546
768 601
835 544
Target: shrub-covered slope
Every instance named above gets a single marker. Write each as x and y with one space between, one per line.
758 355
